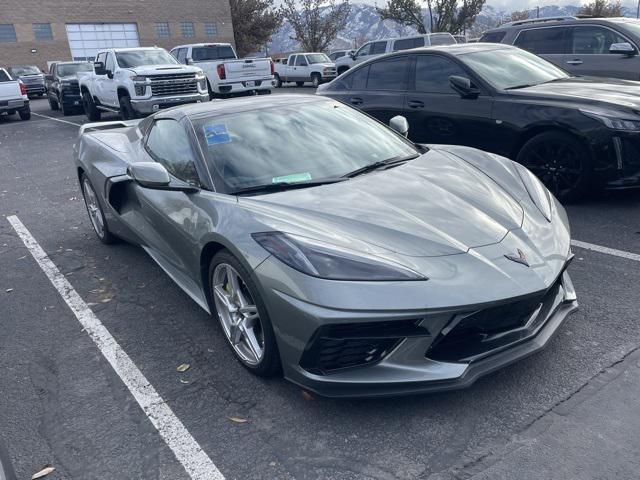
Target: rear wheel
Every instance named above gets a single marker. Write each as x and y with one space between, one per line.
96 215
242 315
561 162
25 113
90 109
126 109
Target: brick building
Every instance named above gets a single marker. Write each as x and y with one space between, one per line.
39 31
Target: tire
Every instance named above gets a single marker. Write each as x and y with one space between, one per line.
66 111
90 109
94 209
316 80
278 81
341 70
300 84
261 330
126 109
53 104
561 161
25 113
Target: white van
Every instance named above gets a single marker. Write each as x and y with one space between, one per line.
378 47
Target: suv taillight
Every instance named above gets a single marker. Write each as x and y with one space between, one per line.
273 68
221 72
23 88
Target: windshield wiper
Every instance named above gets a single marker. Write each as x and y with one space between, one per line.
524 85
380 164
280 186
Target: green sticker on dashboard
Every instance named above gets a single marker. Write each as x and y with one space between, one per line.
293 178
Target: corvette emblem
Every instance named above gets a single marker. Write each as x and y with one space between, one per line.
520 258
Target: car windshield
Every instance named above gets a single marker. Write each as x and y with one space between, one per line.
139 58
213 52
73 68
25 70
303 142
512 68
317 58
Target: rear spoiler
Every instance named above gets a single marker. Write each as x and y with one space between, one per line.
97 126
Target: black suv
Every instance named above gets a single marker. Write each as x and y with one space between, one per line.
574 133
62 85
601 47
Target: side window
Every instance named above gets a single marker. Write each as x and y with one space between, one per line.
182 55
378 48
432 74
110 65
174 53
301 61
493 37
100 57
169 144
592 40
364 50
542 41
418 42
403 44
388 74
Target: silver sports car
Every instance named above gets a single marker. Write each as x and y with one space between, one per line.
331 248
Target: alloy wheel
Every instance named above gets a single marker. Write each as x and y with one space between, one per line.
238 314
557 165
93 207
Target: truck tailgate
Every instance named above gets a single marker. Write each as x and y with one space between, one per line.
10 91
248 68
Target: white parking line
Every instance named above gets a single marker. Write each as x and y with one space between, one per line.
607 250
56 119
188 452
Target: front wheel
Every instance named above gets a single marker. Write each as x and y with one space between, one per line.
53 104
90 109
316 80
278 81
65 108
341 70
242 315
126 109
96 215
561 162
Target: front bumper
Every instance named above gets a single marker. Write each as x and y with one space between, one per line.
414 363
153 104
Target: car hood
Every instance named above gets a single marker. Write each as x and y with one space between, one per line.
324 65
435 205
589 90
164 69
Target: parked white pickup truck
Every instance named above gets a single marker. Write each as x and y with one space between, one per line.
13 96
139 81
226 74
316 68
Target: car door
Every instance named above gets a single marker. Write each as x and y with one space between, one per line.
438 114
300 69
547 42
379 87
168 221
588 53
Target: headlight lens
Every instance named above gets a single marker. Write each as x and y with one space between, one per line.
614 123
537 191
200 76
139 78
331 262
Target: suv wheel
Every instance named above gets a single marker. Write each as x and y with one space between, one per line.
90 109
65 109
316 80
53 103
126 109
561 162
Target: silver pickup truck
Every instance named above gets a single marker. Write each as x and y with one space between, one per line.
13 96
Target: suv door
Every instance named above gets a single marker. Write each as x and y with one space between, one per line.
548 42
301 69
588 53
378 88
437 114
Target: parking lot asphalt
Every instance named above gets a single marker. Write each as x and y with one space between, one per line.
63 405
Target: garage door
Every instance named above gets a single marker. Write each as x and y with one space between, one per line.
86 39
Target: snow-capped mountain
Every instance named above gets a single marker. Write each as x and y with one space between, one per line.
364 24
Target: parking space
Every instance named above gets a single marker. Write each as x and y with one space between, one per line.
66 406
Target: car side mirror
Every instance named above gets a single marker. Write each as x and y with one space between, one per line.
149 174
189 61
400 125
98 67
464 87
623 48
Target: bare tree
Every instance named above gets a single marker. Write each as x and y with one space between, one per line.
515 17
602 8
254 21
316 23
405 12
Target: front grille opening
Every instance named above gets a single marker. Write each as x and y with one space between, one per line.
341 346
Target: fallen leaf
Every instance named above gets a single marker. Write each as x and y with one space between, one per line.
183 368
272 464
186 382
105 300
43 473
238 419
306 395
9 290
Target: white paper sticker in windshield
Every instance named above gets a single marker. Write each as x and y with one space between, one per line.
216 134
293 178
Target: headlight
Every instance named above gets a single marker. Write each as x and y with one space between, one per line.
66 83
200 76
537 191
331 262
139 78
614 123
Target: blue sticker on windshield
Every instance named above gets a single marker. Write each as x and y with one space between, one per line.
216 134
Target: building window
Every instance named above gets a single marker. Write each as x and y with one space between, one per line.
42 32
7 33
210 29
188 29
162 30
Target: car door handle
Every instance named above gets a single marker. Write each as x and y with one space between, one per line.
355 100
415 104
575 62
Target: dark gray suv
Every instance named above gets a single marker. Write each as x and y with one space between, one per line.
601 47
